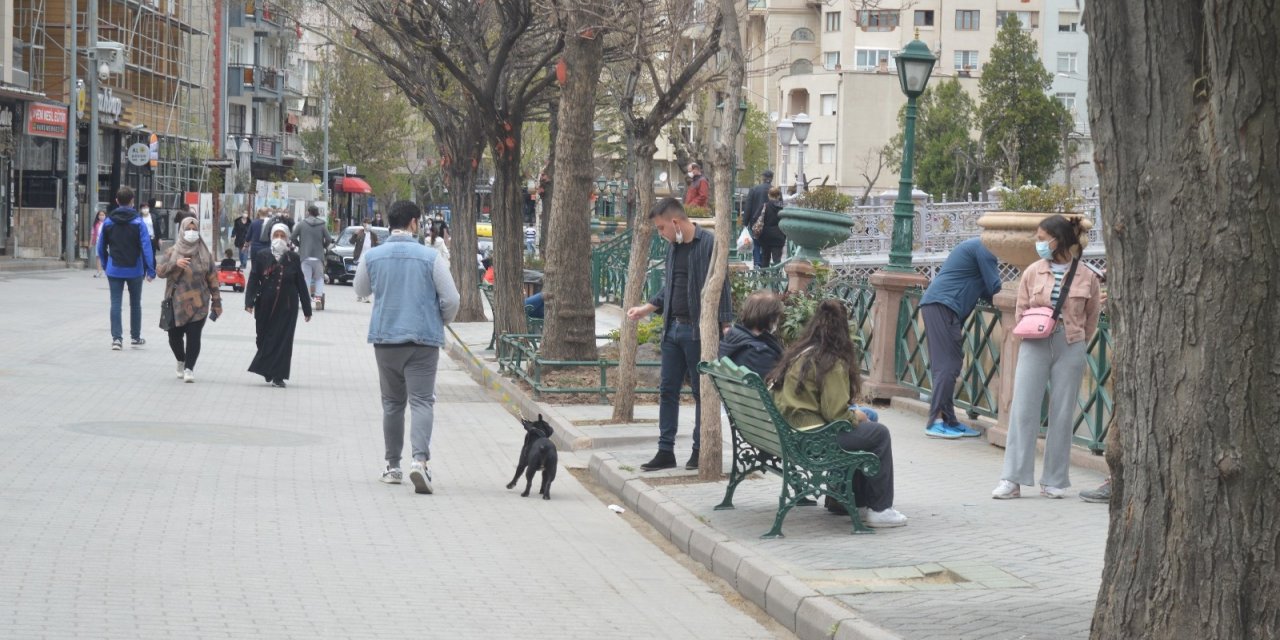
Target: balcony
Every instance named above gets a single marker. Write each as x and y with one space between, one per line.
266 149
295 83
293 149
264 84
264 19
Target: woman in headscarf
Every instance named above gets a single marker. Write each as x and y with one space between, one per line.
192 285
274 291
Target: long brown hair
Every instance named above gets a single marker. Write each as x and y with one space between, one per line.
824 344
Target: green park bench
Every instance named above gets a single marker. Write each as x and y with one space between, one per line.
811 463
534 324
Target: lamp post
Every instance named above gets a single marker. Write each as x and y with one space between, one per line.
600 182
915 63
785 129
801 123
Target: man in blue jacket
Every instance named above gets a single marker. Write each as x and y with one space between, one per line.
413 299
124 245
970 272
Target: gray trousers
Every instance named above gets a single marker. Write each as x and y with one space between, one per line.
944 336
407 373
1040 362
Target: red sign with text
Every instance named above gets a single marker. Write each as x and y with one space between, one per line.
46 120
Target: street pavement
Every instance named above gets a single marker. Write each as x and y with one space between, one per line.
133 505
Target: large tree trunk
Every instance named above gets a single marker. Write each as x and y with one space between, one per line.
1185 119
571 332
553 130
624 400
462 239
508 233
723 157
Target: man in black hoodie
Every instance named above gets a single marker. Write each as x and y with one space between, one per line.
750 342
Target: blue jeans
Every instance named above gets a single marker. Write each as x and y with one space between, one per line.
680 354
244 255
135 306
755 253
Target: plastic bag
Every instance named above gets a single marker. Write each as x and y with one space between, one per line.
744 240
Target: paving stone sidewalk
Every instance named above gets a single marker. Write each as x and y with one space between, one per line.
966 566
135 506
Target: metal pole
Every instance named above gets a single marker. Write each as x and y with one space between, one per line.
91 105
786 159
904 208
801 183
325 119
69 217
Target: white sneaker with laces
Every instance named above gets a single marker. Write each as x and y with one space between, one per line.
1006 490
181 365
392 476
1052 492
884 519
188 376
420 476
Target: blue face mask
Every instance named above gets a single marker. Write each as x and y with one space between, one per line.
1042 249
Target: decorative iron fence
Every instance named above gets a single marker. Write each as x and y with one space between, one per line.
976 393
518 357
609 263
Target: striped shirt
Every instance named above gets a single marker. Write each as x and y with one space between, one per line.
1059 272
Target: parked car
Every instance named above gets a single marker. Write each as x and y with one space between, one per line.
339 265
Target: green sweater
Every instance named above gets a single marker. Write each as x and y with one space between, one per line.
809 406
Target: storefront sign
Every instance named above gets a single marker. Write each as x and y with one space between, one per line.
110 107
139 154
47 120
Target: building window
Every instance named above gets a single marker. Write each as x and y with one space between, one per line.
967 20
1068 22
924 18
828 104
833 21
802 35
877 20
1067 62
235 52
1068 100
966 60
801 67
236 121
1028 19
831 60
873 59
826 154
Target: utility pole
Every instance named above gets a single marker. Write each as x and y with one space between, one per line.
69 218
328 199
91 105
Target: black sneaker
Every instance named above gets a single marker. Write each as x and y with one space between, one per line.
663 460
117 344
692 464
1101 494
137 342
278 383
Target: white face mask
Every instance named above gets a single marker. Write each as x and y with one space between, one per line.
279 245
191 235
690 174
679 236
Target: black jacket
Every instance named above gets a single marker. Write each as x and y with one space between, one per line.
699 267
756 198
771 235
757 353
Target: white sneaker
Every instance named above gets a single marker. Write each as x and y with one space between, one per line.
1006 490
420 476
884 519
188 376
392 475
1052 492
181 365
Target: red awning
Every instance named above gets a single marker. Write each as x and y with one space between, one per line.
351 185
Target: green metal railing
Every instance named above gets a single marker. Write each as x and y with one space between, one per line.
518 357
976 392
609 263
859 296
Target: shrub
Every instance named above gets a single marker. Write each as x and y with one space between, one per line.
825 199
648 331
1051 199
694 211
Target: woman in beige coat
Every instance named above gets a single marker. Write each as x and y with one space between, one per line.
192 277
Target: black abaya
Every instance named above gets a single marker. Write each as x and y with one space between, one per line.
274 291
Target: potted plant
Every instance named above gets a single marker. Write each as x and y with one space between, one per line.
816 220
1010 231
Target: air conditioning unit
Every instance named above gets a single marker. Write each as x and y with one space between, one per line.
113 54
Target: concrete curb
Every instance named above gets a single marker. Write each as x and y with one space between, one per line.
567 436
807 613
997 435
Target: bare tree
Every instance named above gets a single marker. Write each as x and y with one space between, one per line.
869 166
665 69
1184 114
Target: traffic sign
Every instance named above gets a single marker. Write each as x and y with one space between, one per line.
225 163
139 154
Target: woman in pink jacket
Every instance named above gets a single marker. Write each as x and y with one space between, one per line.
1057 359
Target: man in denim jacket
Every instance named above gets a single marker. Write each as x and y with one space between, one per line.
415 298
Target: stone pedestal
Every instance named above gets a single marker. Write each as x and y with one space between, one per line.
799 274
883 379
1006 301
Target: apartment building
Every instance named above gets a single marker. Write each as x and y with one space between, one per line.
834 63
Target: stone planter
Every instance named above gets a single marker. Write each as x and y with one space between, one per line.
1011 235
604 230
814 230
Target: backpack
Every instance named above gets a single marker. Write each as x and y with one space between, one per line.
124 245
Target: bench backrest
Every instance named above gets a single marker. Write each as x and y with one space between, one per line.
748 403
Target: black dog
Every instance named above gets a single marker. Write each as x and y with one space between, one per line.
538 453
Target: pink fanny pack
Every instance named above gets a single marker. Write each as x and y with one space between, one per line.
1037 323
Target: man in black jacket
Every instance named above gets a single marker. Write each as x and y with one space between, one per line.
754 207
680 303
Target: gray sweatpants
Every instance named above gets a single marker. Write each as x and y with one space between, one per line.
1040 362
407 372
945 338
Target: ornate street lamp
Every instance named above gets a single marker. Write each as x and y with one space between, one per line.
915 64
600 182
801 123
785 129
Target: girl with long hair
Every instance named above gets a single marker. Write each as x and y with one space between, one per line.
817 381
1056 360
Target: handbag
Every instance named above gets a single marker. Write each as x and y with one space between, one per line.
758 226
166 305
1038 323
